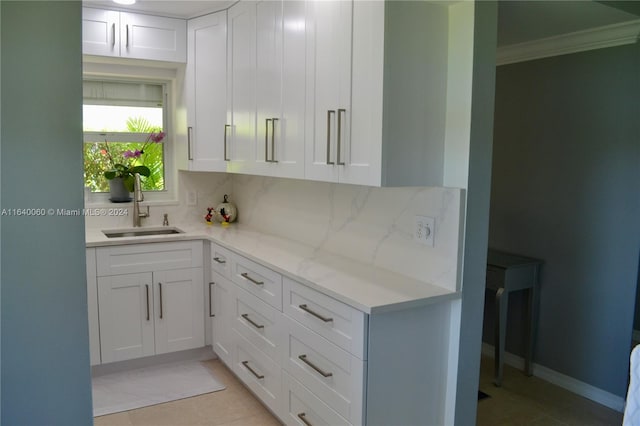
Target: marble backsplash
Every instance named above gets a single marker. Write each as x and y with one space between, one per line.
370 225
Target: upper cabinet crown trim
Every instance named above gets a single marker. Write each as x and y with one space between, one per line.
579 41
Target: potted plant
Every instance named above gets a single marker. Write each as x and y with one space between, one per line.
121 173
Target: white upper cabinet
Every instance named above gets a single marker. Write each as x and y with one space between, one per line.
328 56
133 35
100 32
266 88
281 87
381 97
241 86
206 92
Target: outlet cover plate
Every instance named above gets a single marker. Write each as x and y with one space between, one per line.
424 230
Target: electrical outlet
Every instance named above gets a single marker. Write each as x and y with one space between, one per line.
192 199
424 230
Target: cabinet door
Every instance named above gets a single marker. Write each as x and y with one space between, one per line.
329 87
153 37
268 84
125 304
223 302
179 313
241 86
206 84
289 130
100 32
362 151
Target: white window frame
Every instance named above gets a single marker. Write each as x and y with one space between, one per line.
170 176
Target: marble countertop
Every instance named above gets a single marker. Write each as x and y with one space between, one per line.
365 287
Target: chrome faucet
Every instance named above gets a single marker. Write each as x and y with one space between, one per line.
138 197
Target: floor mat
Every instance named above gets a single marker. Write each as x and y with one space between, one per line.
122 391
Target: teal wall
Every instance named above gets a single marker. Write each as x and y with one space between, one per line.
45 349
565 189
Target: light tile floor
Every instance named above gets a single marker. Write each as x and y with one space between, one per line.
521 401
234 406
530 401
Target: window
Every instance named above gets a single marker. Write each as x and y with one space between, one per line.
118 118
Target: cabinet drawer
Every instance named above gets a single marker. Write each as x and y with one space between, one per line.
300 403
333 320
257 280
259 373
334 375
135 258
221 260
259 323
495 277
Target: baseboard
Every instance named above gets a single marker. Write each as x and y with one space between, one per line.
203 353
583 389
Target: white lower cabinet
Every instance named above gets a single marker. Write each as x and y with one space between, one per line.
150 313
223 300
302 407
259 372
314 360
151 309
332 374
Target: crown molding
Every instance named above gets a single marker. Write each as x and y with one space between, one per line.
579 41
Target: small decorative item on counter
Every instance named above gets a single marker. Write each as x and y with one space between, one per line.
225 212
209 215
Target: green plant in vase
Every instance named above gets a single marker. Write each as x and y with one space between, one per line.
132 162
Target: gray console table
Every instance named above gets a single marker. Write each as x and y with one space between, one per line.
507 272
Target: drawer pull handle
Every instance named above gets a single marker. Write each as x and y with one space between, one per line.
246 317
315 314
147 288
220 261
304 359
247 277
303 418
246 365
211 314
160 287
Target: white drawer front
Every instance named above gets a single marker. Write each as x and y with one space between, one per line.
334 375
259 373
259 323
257 280
335 321
221 260
302 406
135 258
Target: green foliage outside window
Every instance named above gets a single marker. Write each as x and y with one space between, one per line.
96 160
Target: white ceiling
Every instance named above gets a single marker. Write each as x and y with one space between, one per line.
518 20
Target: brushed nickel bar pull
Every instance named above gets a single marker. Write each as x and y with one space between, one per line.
256 325
273 140
315 314
211 314
147 288
329 162
247 277
302 417
266 139
304 359
225 142
246 365
113 34
338 162
127 45
218 260
160 287
189 132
